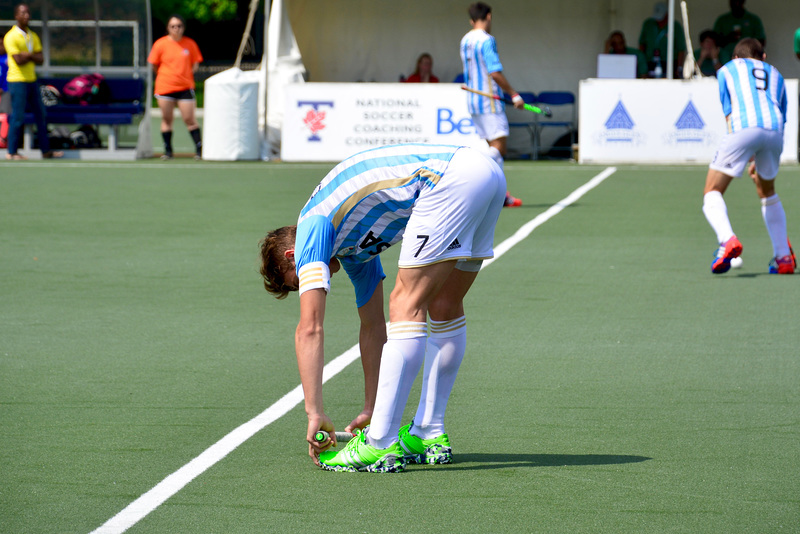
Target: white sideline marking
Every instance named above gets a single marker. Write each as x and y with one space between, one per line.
141 507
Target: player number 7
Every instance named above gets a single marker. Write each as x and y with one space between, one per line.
424 240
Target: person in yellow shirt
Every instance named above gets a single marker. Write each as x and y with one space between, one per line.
24 51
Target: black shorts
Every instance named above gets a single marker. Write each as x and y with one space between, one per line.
177 96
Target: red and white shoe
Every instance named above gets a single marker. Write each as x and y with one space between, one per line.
728 250
511 202
784 265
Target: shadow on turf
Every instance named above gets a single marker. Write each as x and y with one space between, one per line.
502 461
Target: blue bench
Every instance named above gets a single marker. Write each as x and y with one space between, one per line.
126 102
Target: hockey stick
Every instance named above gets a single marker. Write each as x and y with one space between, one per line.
341 437
690 68
543 111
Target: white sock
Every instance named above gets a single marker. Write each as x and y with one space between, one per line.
716 212
496 156
775 219
443 355
401 360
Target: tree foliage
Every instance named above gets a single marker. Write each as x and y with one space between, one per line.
200 10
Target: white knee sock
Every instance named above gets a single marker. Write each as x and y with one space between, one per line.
443 355
496 156
401 360
775 219
716 212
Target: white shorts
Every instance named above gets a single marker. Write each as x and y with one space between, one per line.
738 147
456 219
490 126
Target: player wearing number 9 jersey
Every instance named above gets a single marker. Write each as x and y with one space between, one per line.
754 102
443 202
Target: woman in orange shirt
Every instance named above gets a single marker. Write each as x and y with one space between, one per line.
175 59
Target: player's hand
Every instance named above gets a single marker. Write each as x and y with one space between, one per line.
319 422
519 103
360 422
752 171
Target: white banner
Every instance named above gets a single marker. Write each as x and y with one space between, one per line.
331 121
661 121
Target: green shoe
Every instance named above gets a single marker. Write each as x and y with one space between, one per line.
358 455
425 451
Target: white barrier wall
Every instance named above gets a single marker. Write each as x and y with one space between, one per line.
661 121
331 121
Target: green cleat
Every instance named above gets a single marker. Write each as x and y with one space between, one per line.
425 451
358 455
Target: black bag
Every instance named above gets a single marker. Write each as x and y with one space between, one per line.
59 138
85 137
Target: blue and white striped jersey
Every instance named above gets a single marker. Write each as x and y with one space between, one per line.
479 59
362 207
753 95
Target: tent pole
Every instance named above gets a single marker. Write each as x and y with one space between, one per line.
671 40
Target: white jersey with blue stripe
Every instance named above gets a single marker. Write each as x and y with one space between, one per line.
479 59
753 95
362 207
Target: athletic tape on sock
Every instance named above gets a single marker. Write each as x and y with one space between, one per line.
452 328
407 330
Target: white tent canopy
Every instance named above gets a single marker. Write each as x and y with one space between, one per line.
543 45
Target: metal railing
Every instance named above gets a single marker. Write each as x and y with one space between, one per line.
47 68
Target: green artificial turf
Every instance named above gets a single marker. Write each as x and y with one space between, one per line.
611 383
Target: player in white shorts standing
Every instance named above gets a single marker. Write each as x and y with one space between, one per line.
753 98
484 72
443 202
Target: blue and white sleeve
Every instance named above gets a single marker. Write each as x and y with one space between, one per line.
724 96
491 57
313 251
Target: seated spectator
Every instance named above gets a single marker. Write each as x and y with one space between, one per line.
734 26
797 43
615 44
710 57
653 37
424 71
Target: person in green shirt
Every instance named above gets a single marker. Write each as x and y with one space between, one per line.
738 24
710 57
615 44
797 43
653 39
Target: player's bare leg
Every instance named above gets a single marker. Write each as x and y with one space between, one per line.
498 149
716 212
404 351
425 439
775 220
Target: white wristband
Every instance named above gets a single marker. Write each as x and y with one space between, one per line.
516 99
314 275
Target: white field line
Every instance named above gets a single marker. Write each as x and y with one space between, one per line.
141 507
